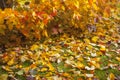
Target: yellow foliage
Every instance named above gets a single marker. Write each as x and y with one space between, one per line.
102 48
87 41
34 47
111 76
80 65
80 59
118 58
44 69
11 62
51 68
95 39
45 33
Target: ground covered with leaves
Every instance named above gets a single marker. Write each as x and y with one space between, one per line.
64 57
60 40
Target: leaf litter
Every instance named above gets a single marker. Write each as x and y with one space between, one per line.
64 58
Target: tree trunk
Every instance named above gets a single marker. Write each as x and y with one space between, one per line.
2 4
6 4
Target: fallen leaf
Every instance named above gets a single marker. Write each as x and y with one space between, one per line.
20 72
118 58
111 76
102 48
90 2
89 68
89 75
80 65
11 62
44 69
34 47
95 39
3 77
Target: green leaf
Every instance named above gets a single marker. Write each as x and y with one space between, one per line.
26 63
20 72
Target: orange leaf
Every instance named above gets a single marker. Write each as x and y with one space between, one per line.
37 34
45 21
25 32
90 2
107 11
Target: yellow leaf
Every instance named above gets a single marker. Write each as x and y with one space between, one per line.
94 63
3 77
100 34
49 74
80 59
87 40
45 33
44 69
63 8
76 3
97 65
42 25
102 48
111 76
118 58
7 68
99 53
95 39
90 47
51 68
11 62
34 47
96 59
95 7
80 65
18 66
13 53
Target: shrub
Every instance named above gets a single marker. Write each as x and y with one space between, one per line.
37 19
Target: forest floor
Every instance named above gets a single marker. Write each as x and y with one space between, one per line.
64 57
